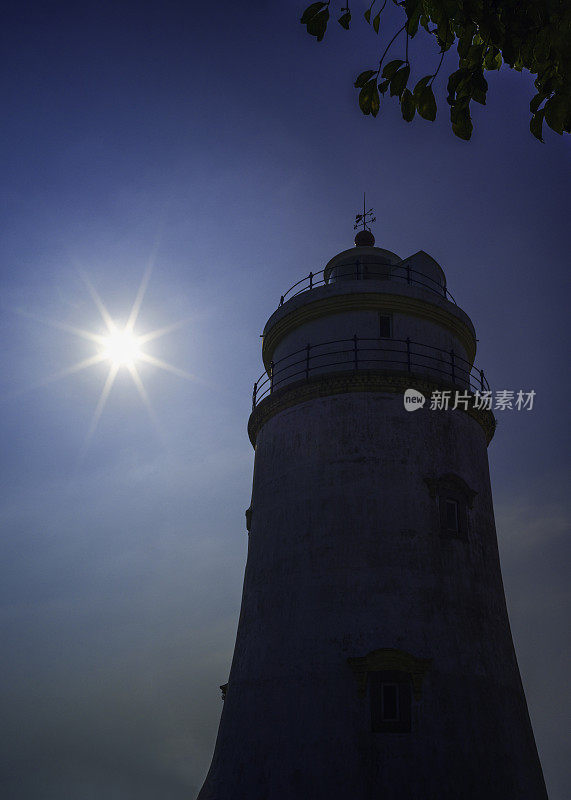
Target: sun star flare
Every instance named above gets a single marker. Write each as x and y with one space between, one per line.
121 348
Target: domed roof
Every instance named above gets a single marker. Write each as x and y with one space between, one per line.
367 255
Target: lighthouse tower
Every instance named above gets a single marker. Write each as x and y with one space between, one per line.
373 659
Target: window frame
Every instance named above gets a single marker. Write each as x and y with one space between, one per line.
452 503
451 488
389 319
402 682
444 497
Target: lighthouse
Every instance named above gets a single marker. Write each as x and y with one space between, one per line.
373 657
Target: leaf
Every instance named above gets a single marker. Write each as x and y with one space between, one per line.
464 44
407 105
377 22
365 76
461 123
391 68
541 52
369 101
412 6
460 109
496 30
426 104
311 11
456 83
375 101
444 34
384 85
536 101
413 20
420 85
365 99
527 46
493 59
536 125
479 87
509 51
475 55
318 24
399 80
546 83
367 15
345 20
555 114
464 129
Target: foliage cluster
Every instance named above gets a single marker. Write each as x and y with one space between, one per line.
534 35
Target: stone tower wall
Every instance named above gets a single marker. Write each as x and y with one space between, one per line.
346 557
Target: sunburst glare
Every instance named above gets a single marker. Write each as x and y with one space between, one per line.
121 347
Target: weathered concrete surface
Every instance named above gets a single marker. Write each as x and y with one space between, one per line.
346 556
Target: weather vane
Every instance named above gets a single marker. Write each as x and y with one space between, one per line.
365 218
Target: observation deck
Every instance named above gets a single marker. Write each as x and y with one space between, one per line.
368 321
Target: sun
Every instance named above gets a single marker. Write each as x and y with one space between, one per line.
122 348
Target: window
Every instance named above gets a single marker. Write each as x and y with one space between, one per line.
385 326
454 498
389 702
390 679
451 514
390 693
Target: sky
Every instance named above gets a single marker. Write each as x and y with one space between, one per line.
219 151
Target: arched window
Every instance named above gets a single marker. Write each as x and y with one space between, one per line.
454 499
391 678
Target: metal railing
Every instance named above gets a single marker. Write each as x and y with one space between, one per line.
360 353
359 270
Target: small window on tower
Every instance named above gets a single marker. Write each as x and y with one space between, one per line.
385 326
451 516
454 499
390 693
389 702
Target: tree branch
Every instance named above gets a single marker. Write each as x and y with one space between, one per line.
388 47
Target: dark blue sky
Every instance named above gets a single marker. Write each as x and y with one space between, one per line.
224 145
